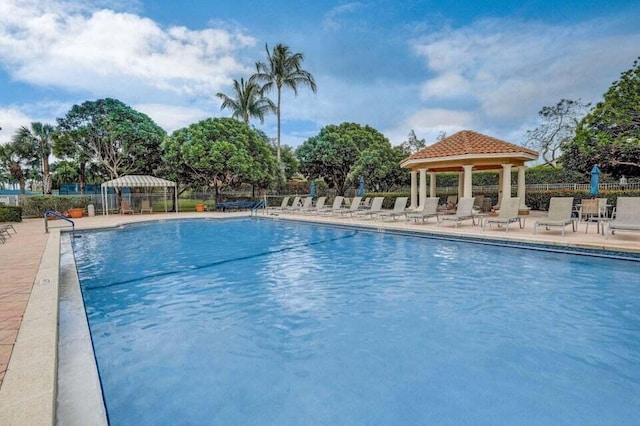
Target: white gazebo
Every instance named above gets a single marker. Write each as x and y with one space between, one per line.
138 181
465 152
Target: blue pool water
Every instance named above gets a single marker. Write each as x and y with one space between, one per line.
265 322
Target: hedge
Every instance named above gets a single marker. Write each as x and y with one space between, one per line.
36 206
10 213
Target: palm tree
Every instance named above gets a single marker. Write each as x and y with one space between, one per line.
40 138
247 101
282 69
14 157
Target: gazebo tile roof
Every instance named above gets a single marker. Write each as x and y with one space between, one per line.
469 142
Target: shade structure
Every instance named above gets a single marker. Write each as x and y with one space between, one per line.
361 188
137 181
312 191
595 181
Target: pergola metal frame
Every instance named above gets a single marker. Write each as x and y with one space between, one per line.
137 181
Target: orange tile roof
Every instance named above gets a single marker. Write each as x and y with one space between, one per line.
469 142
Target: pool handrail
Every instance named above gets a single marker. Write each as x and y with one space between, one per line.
47 213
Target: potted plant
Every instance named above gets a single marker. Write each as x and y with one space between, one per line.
200 207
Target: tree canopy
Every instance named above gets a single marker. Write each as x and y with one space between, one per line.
334 152
247 101
37 142
120 139
609 135
218 152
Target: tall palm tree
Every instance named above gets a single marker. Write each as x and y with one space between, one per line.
14 157
39 137
282 69
247 101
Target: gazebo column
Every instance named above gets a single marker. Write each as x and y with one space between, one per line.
468 188
460 186
414 189
522 188
506 181
432 184
423 187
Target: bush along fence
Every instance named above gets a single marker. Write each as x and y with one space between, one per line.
10 213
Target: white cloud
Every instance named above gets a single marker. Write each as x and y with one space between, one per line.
172 117
507 70
429 123
11 119
334 19
108 53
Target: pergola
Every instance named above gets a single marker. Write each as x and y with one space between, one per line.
465 152
137 181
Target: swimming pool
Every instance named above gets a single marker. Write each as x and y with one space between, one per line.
271 322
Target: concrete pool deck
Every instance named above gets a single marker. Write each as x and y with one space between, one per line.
29 292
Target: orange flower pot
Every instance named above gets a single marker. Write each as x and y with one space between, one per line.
199 207
76 213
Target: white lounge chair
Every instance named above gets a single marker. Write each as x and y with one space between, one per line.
294 205
305 207
353 205
318 207
398 209
508 214
464 212
627 216
283 205
559 214
376 206
427 210
336 207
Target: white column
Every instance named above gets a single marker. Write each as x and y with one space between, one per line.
521 187
423 186
414 189
432 184
506 181
460 186
468 188
499 189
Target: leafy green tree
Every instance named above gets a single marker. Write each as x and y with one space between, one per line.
218 152
39 137
557 125
247 101
335 150
610 134
118 138
282 69
16 157
379 165
289 161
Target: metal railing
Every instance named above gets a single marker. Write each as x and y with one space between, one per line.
59 216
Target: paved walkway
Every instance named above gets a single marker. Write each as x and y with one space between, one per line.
21 255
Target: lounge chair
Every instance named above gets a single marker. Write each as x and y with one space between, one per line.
146 207
352 205
305 207
428 209
452 202
294 205
283 205
627 216
318 207
376 207
125 207
508 214
398 209
4 230
478 204
335 208
366 203
463 212
559 214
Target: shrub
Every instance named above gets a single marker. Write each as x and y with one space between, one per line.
36 206
10 213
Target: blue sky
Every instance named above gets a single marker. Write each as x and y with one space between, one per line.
430 66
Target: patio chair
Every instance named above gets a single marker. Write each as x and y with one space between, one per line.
5 228
478 204
294 205
627 216
335 207
508 214
376 206
589 211
559 214
146 207
318 207
305 207
125 207
352 206
398 209
463 212
283 205
366 203
427 210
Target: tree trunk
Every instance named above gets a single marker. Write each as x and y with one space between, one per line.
81 176
46 177
23 186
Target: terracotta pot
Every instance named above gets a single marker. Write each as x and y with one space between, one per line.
199 207
76 213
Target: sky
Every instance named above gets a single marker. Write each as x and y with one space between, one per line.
427 66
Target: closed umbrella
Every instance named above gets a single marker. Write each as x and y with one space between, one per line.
595 181
361 188
312 191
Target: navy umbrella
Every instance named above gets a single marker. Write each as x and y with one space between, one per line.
595 181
